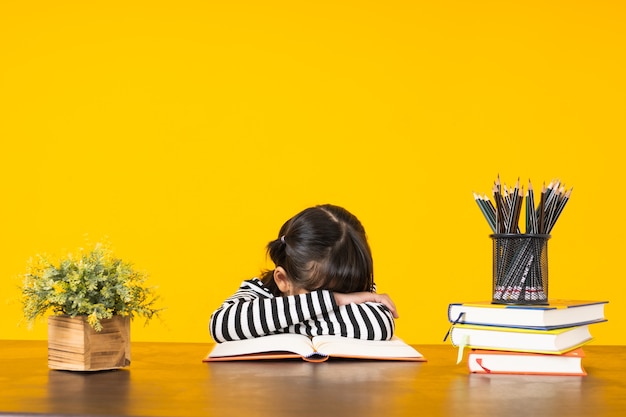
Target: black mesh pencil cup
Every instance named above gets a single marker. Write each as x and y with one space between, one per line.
520 268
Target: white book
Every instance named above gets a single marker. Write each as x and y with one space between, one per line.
498 362
555 341
557 314
316 349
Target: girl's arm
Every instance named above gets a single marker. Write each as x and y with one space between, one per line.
364 297
254 312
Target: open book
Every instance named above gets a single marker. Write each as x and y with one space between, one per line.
316 349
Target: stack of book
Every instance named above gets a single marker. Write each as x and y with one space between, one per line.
525 339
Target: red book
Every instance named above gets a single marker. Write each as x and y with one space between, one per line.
503 362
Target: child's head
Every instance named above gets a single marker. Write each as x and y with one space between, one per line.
322 247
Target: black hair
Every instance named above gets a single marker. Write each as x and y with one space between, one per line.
322 247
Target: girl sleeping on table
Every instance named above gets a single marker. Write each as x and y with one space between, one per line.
322 284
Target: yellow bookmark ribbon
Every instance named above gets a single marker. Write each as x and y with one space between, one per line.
464 342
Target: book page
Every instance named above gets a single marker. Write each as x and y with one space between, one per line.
339 346
294 343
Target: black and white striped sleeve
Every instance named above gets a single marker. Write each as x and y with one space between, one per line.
369 321
253 312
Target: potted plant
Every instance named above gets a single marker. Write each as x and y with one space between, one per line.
90 297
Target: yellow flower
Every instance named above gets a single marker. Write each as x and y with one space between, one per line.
58 288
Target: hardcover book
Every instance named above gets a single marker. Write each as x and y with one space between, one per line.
498 362
558 314
555 341
316 349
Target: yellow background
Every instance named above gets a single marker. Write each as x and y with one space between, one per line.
187 132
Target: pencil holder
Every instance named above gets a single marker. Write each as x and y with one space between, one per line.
520 268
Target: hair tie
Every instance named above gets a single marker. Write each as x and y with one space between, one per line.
282 239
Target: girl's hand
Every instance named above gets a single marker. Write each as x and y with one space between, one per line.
364 297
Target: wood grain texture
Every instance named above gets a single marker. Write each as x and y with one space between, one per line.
169 379
74 345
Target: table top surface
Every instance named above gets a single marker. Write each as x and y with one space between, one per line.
170 379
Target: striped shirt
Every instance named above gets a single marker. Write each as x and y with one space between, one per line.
253 312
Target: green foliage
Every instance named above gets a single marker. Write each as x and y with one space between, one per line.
93 283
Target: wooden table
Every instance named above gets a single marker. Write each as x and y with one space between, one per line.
169 379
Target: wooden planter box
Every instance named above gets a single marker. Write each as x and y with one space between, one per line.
74 346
